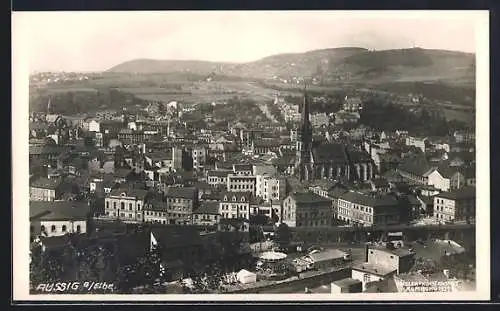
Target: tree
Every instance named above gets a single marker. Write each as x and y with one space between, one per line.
283 235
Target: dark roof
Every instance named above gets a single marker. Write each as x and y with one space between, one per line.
208 208
181 192
327 153
202 185
417 165
309 197
46 183
242 167
238 195
356 156
122 172
219 173
393 176
58 210
139 193
369 200
337 191
464 155
210 196
380 182
156 204
459 194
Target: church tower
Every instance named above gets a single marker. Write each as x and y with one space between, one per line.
304 142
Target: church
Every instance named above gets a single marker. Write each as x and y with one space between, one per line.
319 160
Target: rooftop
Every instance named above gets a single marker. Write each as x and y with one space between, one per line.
373 269
459 194
58 210
327 255
211 208
181 192
309 197
46 183
369 200
129 192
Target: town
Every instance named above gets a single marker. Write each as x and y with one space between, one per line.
242 197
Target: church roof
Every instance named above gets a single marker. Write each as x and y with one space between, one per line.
328 153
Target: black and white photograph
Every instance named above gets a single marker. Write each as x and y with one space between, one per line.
251 155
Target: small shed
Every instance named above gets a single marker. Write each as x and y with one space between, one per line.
245 277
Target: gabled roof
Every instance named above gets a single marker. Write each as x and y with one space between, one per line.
369 200
239 196
181 192
380 182
417 165
219 173
58 210
242 167
46 183
308 198
327 153
130 192
211 208
459 194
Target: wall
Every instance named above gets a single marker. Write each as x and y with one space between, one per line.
300 284
39 194
359 275
71 226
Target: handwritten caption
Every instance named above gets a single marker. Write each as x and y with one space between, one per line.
72 287
435 286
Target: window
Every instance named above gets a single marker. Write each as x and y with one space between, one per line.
138 206
53 228
64 228
107 205
78 229
122 205
114 205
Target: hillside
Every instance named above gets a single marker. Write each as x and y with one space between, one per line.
408 65
331 65
291 64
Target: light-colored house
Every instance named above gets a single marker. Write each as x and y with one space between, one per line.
456 205
58 218
125 204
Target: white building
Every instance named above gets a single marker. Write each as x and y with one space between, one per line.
58 218
125 204
94 126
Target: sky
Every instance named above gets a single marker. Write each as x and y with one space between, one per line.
96 41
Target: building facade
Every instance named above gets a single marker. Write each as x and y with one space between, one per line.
307 209
125 204
456 205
